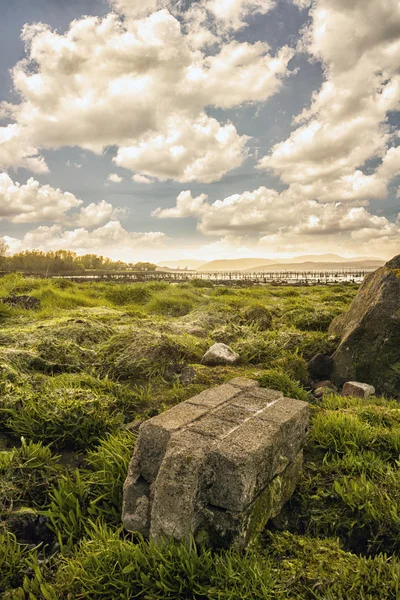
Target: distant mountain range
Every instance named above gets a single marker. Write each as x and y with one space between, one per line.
300 263
181 264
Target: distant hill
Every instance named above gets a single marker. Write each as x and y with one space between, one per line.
235 264
320 266
181 264
307 262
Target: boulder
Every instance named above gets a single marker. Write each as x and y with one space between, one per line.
217 467
357 389
220 354
369 348
320 367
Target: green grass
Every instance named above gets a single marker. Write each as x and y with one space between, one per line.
96 356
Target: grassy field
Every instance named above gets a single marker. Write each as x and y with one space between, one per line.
75 374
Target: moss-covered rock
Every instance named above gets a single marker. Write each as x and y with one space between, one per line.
369 350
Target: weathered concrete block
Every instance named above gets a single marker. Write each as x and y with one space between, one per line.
217 466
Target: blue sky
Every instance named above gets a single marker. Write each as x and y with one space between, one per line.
199 103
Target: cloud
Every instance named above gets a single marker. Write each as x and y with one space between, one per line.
32 202
141 179
111 239
186 206
115 178
268 217
187 151
93 214
346 124
106 77
16 150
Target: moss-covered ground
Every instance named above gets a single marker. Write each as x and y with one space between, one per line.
78 372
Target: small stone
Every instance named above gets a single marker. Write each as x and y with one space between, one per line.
220 354
320 366
319 392
357 389
324 384
187 376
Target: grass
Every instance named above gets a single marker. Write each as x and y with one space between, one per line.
94 357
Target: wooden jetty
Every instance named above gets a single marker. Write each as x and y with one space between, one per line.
218 277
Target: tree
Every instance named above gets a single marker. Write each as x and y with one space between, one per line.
144 266
3 252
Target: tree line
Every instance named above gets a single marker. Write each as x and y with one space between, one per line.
63 261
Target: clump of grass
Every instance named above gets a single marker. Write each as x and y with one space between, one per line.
12 561
108 465
319 569
107 565
170 305
201 283
121 294
351 485
311 319
277 379
26 474
58 356
259 315
68 509
83 332
65 418
139 354
294 365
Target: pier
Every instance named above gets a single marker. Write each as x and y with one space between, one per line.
218 277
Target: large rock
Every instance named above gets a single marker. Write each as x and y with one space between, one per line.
369 350
220 354
216 467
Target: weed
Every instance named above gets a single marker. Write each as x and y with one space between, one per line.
277 379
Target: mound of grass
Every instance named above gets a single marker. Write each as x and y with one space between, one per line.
109 566
138 354
26 474
258 315
318 569
121 294
351 485
64 417
59 356
83 332
277 379
310 319
294 365
170 305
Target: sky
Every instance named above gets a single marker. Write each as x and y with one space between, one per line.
200 129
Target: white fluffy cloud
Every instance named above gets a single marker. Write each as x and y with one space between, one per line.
186 206
32 202
112 239
106 77
346 123
17 150
279 219
115 178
